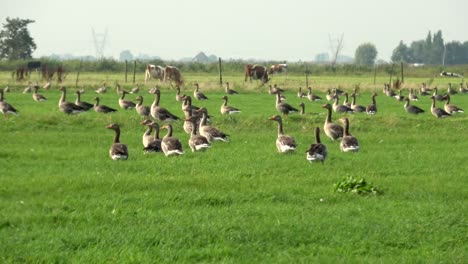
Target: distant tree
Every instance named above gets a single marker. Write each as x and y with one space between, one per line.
456 53
365 54
15 40
417 50
437 49
125 55
402 53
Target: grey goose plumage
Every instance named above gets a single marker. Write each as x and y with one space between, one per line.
438 112
5 107
356 107
197 142
171 145
412 109
36 96
340 108
142 110
102 108
197 94
284 143
311 96
117 151
349 143
68 107
228 89
227 109
85 105
372 108
284 108
332 130
317 151
161 113
450 108
211 133
125 104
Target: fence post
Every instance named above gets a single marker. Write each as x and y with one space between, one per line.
391 74
220 72
134 71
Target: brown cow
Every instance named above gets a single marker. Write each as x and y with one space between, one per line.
278 68
256 72
154 71
171 73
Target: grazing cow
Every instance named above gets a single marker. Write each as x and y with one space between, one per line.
171 73
154 71
256 72
278 68
450 74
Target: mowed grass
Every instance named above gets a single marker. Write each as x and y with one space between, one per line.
62 199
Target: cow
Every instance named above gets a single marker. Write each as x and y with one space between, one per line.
256 72
171 73
450 74
278 68
154 71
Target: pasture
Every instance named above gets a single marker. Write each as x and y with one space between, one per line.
62 199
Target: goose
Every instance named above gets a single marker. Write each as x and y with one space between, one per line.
28 88
142 110
211 133
179 97
412 96
332 130
461 89
274 90
155 144
346 100
102 108
424 89
438 112
226 109
161 113
68 107
7 89
118 151
47 85
188 107
125 104
85 105
229 90
450 90
338 91
119 89
354 106
317 151
102 89
348 143
311 96
302 106
188 126
399 97
330 96
147 138
278 89
300 94
412 109
372 108
171 145
153 90
36 96
197 142
451 109
197 94
5 107
437 96
284 108
135 89
388 92
284 143
339 108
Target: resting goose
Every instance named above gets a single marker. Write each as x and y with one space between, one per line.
142 110
284 143
302 106
68 107
461 89
125 104
211 133
332 130
197 94
28 88
161 113
47 85
346 100
399 97
388 92
412 109
197 142
274 90
171 145
348 142
154 144
354 106
102 89
437 96
424 89
330 96
226 109
412 96
118 151
135 89
187 104
338 91
7 89
300 94
102 108
311 96
372 108
317 151
38 97
284 108
339 108
450 90
229 90
85 105
153 90
147 138
5 107
178 96
119 89
438 112
451 109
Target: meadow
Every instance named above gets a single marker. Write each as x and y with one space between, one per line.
62 199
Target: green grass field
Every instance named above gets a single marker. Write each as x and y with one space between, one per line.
62 199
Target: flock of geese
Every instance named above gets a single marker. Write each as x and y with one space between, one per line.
202 134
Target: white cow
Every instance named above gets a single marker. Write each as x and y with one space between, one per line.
154 71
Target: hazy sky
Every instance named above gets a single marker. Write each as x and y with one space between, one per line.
289 30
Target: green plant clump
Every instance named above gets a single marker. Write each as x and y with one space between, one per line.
356 185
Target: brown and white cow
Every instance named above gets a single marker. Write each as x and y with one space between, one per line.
278 68
256 72
154 71
171 73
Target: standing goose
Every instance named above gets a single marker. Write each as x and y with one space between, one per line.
211 133
229 90
450 90
5 107
147 138
85 105
330 96
348 142
197 94
38 97
142 110
197 142
346 100
451 109
311 96
284 108
226 109
372 108
171 145
339 108
356 107
125 104
274 90
118 151
388 92
412 96
438 112
412 109
68 107
302 106
161 113
317 151
332 130
284 143
102 108
178 96
300 94
155 144
187 104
